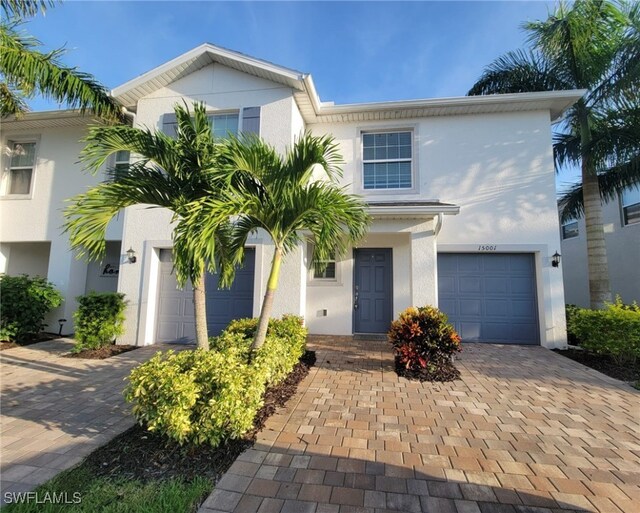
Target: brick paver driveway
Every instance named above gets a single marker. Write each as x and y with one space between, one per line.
57 410
525 430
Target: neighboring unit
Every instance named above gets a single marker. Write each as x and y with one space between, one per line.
461 191
621 218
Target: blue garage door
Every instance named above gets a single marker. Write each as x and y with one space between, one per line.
490 297
176 321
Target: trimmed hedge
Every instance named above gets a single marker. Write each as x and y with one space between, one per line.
211 396
99 319
24 305
613 331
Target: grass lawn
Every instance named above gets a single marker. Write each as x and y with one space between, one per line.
100 493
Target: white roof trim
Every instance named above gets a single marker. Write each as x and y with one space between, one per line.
49 118
412 210
129 92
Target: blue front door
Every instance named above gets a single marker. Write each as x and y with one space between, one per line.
372 290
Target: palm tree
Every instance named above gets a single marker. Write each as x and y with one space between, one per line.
592 45
25 70
169 173
284 197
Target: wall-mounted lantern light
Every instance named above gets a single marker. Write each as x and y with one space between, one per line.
61 323
131 256
555 259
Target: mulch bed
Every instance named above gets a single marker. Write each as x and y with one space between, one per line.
604 364
40 337
102 353
145 456
446 371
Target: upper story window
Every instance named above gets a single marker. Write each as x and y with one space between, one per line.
387 160
570 229
630 201
224 124
120 163
21 167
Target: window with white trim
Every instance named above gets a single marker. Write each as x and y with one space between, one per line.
21 167
387 160
630 201
224 124
120 163
570 229
327 271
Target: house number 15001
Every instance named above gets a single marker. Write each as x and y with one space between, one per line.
487 248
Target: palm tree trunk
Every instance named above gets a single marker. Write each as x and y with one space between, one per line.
200 309
597 263
267 302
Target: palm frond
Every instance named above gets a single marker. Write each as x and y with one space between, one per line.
11 103
29 70
611 182
566 150
19 9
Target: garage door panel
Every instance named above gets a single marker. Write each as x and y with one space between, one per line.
490 297
496 285
522 286
469 263
497 308
469 284
470 307
498 263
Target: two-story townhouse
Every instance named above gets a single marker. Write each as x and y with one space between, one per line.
461 191
621 218
39 170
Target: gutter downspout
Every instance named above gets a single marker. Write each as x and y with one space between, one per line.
438 225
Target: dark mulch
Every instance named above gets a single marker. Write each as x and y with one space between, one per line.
145 456
445 371
604 364
102 353
40 337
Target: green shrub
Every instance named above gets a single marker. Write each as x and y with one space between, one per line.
211 396
424 343
613 331
24 303
99 319
570 314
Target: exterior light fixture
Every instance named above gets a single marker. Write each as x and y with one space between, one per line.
131 256
61 323
555 259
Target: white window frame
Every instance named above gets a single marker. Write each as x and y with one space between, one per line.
117 162
319 280
6 181
236 113
386 161
567 223
624 206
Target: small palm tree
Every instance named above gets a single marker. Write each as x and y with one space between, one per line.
25 71
170 173
283 196
593 45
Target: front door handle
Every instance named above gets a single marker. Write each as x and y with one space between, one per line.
355 299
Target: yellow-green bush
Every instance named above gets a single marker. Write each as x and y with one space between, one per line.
210 396
613 331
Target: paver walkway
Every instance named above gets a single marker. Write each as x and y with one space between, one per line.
56 410
525 430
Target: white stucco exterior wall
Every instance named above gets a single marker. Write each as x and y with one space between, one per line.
499 169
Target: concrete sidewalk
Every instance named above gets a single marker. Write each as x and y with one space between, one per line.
56 410
525 430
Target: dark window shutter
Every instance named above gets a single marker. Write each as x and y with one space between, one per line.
251 120
170 124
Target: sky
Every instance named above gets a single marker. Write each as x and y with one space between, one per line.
355 51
